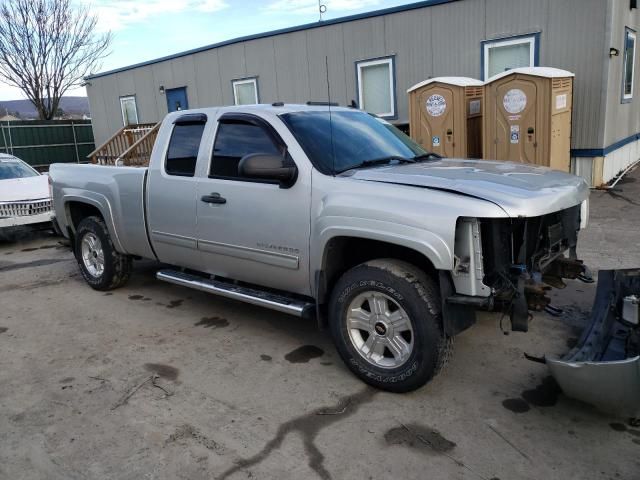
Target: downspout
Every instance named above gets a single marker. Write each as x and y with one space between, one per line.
606 72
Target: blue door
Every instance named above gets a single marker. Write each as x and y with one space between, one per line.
177 99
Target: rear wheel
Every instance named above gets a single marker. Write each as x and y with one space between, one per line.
386 323
102 267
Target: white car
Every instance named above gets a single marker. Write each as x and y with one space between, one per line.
24 194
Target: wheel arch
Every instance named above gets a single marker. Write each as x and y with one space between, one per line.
343 252
76 208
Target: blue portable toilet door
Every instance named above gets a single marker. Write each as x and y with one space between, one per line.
177 99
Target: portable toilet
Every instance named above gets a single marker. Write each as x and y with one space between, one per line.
445 116
528 117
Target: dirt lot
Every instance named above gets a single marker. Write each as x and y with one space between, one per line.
244 392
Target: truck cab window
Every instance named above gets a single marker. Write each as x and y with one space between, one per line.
183 149
234 140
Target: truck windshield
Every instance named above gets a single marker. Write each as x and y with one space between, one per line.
15 169
345 140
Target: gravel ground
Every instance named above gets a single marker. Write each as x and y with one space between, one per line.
161 382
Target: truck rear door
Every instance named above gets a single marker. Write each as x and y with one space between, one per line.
250 230
171 190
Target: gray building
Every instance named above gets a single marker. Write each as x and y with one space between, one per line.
374 58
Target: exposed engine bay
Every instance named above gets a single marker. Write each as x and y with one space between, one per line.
524 258
509 265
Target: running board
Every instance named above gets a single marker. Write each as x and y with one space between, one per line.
281 303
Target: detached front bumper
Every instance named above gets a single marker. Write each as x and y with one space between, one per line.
604 368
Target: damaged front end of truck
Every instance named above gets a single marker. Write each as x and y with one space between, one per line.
526 257
510 264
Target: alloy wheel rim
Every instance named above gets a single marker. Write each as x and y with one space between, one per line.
93 255
380 330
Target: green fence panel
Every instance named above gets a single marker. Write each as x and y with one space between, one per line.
3 142
41 143
84 133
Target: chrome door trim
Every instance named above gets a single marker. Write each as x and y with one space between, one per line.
267 257
174 239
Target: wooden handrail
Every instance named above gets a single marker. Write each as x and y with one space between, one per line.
124 143
111 138
142 159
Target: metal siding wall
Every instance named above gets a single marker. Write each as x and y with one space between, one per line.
514 17
162 76
408 35
292 65
259 59
112 104
620 159
232 66
575 40
457 31
126 83
583 167
326 44
126 86
145 96
207 81
184 75
363 39
622 119
101 122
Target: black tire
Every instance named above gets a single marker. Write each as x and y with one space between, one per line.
117 267
418 295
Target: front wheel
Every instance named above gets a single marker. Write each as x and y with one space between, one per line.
102 267
386 322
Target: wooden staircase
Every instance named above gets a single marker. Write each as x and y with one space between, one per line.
130 146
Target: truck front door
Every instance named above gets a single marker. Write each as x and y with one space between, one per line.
248 230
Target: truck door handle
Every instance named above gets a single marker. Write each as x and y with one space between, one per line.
213 198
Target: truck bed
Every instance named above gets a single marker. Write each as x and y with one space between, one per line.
116 191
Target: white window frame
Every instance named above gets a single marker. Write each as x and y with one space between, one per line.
489 44
392 89
629 33
244 81
122 110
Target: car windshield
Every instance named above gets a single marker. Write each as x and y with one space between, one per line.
344 140
15 169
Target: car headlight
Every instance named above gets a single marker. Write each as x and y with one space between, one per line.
584 214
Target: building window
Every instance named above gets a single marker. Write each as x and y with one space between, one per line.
245 91
506 54
129 110
376 86
629 65
182 153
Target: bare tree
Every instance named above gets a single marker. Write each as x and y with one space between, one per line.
48 47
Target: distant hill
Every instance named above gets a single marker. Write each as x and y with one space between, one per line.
73 106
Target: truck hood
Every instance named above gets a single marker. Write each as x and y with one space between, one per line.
29 188
520 190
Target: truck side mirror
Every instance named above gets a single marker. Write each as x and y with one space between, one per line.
267 166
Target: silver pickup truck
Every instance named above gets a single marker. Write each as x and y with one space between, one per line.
334 214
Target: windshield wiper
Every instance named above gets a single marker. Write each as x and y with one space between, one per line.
427 156
379 161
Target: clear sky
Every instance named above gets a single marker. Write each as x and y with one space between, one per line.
148 29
